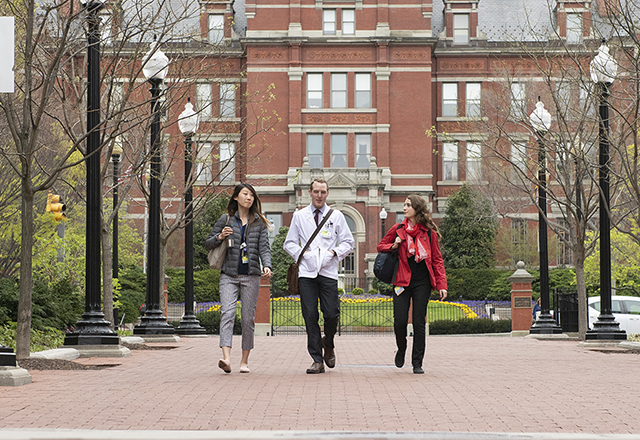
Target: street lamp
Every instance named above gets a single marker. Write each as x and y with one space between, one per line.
540 120
188 123
116 152
383 217
154 66
93 329
603 72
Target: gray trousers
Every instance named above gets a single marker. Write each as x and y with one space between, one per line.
248 287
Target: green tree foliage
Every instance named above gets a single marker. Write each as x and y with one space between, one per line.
468 231
206 285
202 226
133 284
280 260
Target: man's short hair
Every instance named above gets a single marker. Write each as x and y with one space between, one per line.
318 180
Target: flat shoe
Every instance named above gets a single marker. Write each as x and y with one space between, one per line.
399 359
244 369
224 366
418 370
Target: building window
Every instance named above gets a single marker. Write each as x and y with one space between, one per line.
450 99
117 96
519 155
474 91
363 90
339 150
203 165
348 264
203 101
348 22
565 253
450 161
363 150
315 150
227 100
339 90
329 21
314 90
474 162
460 28
227 163
216 28
276 221
518 238
574 27
518 104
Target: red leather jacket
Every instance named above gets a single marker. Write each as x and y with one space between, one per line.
434 258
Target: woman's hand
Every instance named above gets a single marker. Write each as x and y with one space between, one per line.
266 272
443 294
226 231
396 243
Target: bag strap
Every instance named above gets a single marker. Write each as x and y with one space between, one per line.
315 233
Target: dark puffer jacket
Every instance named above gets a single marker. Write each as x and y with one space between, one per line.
258 248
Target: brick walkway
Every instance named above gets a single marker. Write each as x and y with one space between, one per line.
472 385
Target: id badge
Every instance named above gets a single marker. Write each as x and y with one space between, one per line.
325 233
245 259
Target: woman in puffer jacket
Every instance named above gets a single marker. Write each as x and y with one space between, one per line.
247 228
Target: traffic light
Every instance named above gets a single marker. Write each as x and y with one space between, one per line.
55 206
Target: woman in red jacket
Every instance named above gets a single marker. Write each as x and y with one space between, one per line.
420 270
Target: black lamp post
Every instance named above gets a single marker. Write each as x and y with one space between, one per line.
115 159
155 65
188 123
383 217
93 329
541 121
603 72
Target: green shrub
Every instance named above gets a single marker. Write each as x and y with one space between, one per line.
43 339
206 285
373 292
357 291
9 292
340 291
469 326
383 288
211 322
472 284
56 305
130 302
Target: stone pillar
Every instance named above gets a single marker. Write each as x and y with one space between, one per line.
263 308
520 301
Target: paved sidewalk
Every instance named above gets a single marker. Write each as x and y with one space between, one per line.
472 385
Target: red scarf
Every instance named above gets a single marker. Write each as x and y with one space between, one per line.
415 246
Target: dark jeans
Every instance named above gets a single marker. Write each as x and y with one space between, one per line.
420 295
326 290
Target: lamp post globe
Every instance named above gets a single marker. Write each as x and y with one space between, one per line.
383 217
540 120
92 328
155 65
188 124
603 72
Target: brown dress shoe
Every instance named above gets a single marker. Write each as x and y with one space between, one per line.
316 368
329 355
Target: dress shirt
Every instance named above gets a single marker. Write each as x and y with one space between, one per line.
334 236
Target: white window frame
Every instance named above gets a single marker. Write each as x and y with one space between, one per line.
574 27
339 150
450 99
204 164
329 21
315 150
363 150
461 32
227 100
474 161
519 155
314 90
216 28
362 90
450 161
227 162
276 221
473 100
339 92
203 101
348 22
518 98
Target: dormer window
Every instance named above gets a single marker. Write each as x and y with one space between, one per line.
574 27
216 28
460 28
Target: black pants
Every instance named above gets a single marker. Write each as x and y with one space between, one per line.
326 290
420 294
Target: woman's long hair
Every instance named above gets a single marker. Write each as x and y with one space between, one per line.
256 206
423 216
